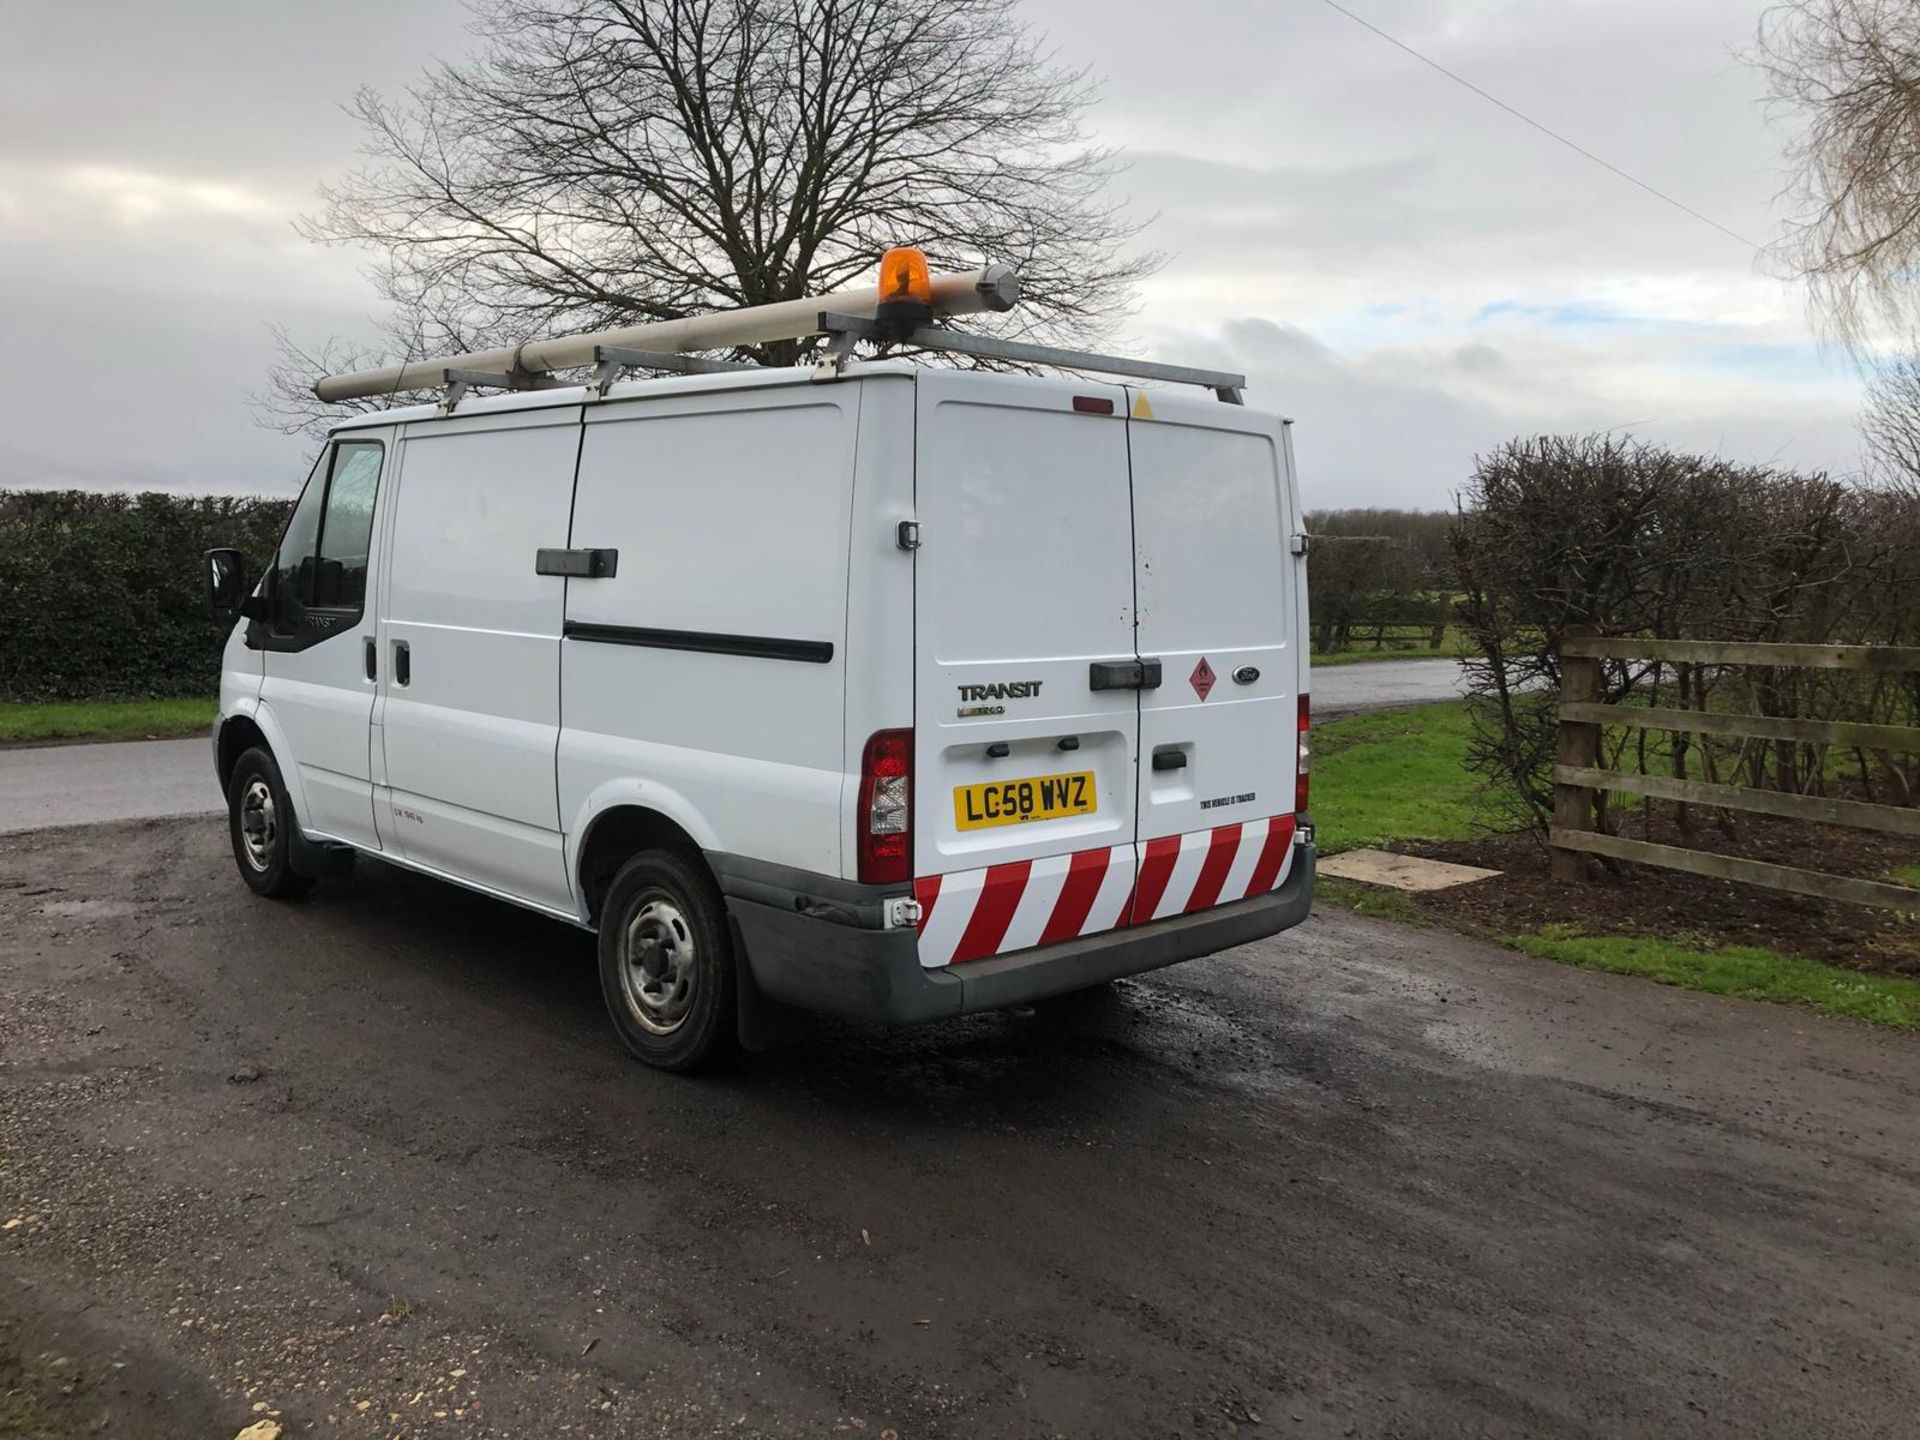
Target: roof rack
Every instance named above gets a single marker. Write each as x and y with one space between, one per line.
897 317
846 329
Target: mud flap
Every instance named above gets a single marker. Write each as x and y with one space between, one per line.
316 861
763 1024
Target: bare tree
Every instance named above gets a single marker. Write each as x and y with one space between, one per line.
606 162
1848 71
1890 425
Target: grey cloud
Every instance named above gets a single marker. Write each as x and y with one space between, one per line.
1280 143
1388 429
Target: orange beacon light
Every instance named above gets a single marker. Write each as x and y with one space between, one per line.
906 291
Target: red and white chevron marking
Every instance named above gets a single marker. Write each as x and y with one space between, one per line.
974 914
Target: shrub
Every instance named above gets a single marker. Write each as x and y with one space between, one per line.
101 596
1558 533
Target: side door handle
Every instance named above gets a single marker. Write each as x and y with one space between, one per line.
577 564
371 653
1124 675
402 663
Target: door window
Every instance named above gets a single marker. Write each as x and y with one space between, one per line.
320 573
346 528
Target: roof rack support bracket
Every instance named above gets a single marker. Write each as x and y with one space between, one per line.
610 360
458 382
843 332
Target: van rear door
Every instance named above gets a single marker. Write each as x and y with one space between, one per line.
1026 725
1216 584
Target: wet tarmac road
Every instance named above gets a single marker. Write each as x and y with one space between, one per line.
376 1163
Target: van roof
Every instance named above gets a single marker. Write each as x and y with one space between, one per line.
755 379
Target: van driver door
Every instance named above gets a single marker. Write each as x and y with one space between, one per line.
317 637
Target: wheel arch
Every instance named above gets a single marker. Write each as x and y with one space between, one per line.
238 734
254 724
616 834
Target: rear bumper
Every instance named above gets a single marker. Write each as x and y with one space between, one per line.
819 964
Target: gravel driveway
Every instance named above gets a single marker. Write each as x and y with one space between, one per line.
376 1163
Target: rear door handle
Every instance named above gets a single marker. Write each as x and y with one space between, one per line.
1169 759
402 663
1124 675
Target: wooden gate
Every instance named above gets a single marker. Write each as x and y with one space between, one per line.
1577 775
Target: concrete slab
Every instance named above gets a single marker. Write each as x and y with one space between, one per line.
1401 872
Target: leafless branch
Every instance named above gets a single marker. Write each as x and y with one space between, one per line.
603 162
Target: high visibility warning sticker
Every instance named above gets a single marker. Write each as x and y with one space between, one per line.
1141 409
1202 679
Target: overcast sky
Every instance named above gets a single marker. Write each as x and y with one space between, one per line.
1409 273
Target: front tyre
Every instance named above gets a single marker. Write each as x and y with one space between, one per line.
666 962
260 822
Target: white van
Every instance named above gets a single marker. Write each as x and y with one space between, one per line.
910 694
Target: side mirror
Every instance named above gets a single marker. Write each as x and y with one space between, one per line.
226 576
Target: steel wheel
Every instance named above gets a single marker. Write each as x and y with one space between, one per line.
262 828
667 961
259 823
659 964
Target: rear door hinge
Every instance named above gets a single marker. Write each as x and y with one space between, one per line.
907 535
1300 544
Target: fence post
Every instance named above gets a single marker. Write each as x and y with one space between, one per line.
1575 743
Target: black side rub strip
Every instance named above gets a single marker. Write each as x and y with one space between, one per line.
764 647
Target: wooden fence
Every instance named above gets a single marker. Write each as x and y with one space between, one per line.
1578 776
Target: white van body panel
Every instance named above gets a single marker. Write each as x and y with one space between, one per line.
1213 511
322 702
713 661
240 674
879 666
1025 580
469 740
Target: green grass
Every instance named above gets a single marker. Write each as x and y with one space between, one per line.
1395 776
1379 901
1742 970
1402 776
105 720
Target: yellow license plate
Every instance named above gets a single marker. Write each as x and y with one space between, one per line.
1012 802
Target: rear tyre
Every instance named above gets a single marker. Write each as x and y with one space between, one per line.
666 962
261 825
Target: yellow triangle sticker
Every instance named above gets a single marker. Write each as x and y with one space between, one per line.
1141 409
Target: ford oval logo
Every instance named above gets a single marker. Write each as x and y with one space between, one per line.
1246 675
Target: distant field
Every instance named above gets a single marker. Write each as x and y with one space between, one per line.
104 720
1453 645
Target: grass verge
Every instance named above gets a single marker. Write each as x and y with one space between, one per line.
1400 775
105 720
1747 971
1377 901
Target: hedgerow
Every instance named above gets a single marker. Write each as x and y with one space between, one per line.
101 596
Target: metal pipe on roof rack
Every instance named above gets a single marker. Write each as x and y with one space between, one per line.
995 287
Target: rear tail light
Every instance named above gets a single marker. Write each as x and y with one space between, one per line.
883 823
1301 765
